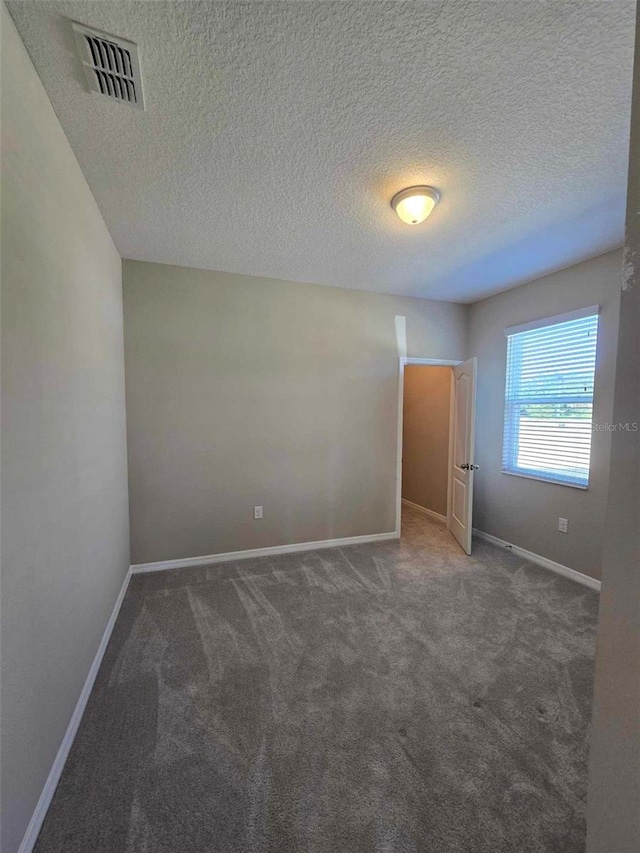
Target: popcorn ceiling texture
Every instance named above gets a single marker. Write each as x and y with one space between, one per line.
276 133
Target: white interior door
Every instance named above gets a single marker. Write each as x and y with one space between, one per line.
461 461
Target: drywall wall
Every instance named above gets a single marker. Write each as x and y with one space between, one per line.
613 808
425 436
65 541
246 391
522 511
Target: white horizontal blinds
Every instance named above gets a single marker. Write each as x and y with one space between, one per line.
549 400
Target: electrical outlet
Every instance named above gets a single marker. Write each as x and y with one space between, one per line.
257 512
563 525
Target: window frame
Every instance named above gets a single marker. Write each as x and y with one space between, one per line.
510 436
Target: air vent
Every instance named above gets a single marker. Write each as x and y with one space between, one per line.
110 65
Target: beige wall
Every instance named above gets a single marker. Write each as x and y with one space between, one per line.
246 391
613 812
521 511
425 436
65 545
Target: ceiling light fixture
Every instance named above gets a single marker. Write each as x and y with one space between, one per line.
414 204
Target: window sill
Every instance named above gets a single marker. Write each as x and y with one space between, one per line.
542 479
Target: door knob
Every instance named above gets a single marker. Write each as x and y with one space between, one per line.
467 466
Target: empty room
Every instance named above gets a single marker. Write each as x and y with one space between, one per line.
320 458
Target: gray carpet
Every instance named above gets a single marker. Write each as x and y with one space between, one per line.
397 697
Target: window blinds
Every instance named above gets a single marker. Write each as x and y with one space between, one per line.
549 399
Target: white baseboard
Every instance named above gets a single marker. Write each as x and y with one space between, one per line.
37 819
422 509
260 552
572 574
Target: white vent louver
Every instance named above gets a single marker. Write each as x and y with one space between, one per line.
110 65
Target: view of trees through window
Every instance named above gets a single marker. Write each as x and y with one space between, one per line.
549 400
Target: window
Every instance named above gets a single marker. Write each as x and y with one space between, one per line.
549 398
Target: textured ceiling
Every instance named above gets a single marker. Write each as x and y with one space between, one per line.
276 133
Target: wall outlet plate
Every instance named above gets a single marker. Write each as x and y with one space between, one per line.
563 525
257 512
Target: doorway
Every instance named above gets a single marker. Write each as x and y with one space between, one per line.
436 426
425 439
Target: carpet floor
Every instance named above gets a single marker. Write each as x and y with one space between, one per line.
395 697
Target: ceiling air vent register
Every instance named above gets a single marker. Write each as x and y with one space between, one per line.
111 65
